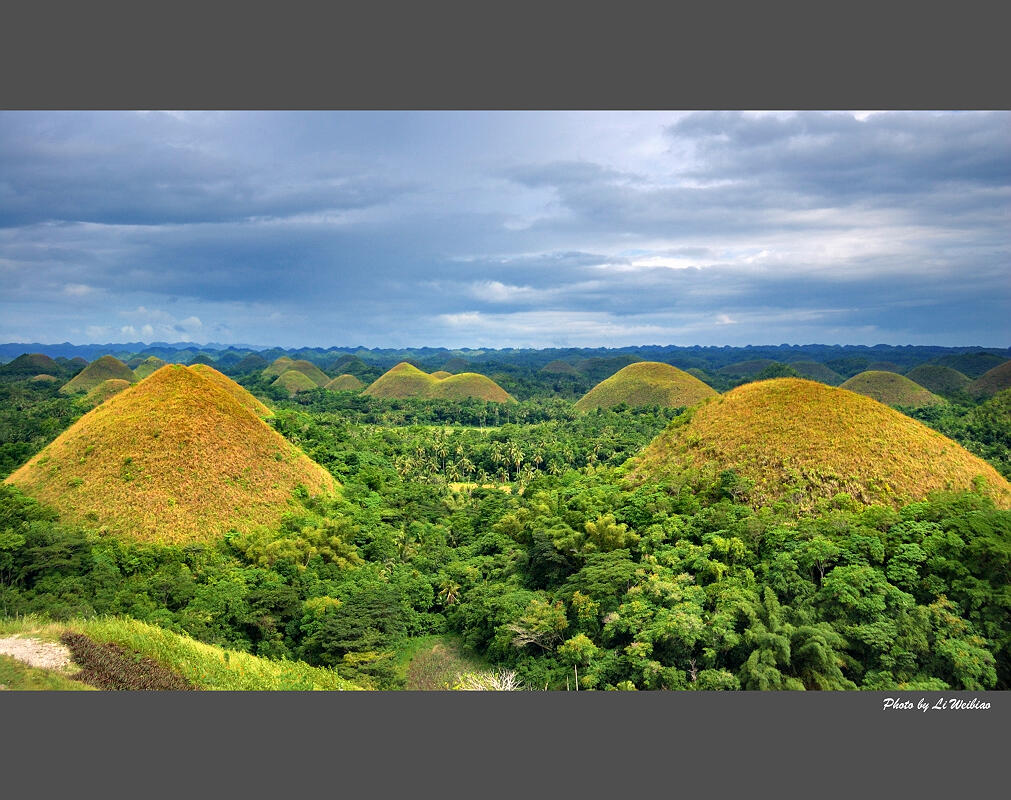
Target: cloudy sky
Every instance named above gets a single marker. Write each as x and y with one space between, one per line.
506 229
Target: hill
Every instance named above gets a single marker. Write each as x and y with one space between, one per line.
441 373
646 383
883 366
240 393
456 364
201 358
973 365
102 369
746 369
293 382
804 442
891 389
938 378
174 458
251 363
148 366
405 380
402 381
194 664
814 371
345 383
990 383
45 378
465 385
311 371
277 367
29 364
104 391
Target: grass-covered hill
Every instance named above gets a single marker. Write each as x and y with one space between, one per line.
277 367
101 369
441 373
972 364
174 458
344 383
646 383
804 442
243 395
104 391
814 371
293 381
29 364
455 364
123 653
891 389
250 363
938 378
884 366
148 366
405 380
993 381
45 379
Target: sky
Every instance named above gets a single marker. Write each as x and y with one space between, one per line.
506 229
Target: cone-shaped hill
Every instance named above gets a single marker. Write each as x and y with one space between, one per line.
990 383
805 442
240 393
891 389
938 378
441 373
307 368
148 366
973 365
405 380
30 364
174 458
646 383
812 370
45 379
104 391
293 382
344 383
250 363
102 369
277 367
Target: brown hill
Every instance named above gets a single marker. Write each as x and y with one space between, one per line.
344 383
174 458
891 389
990 383
646 383
240 393
102 369
804 442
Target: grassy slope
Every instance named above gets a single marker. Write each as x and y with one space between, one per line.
804 441
938 378
278 367
470 384
104 391
972 364
814 371
344 383
559 368
46 378
993 381
311 371
203 665
891 389
29 364
646 383
97 371
148 366
174 458
240 393
441 373
293 382
405 380
432 663
746 368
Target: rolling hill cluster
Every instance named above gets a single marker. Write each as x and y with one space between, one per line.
601 520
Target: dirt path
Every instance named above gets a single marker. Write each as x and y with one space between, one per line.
35 652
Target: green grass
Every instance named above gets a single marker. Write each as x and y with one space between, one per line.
646 383
96 372
104 391
814 371
938 378
148 366
203 665
432 663
18 676
405 381
992 382
746 369
344 383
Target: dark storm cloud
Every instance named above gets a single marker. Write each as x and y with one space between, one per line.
502 229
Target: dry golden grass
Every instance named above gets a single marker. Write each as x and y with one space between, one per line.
993 381
406 380
803 441
45 378
175 458
441 373
891 389
646 383
104 391
293 382
97 371
148 366
344 383
240 393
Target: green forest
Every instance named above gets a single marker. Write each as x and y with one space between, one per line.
516 535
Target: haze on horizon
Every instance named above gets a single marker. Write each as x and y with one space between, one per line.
506 229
